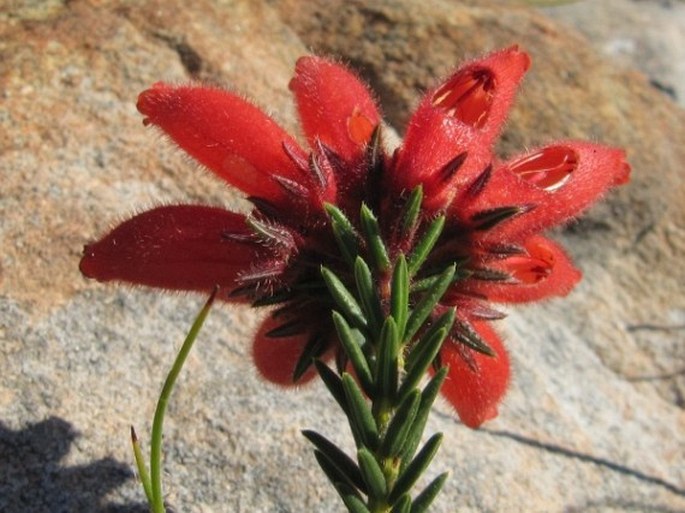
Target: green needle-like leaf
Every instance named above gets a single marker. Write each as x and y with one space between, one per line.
444 322
349 338
337 457
372 473
403 505
368 295
400 425
416 468
399 295
425 245
344 298
426 497
352 500
387 372
430 392
428 301
412 209
344 233
333 473
361 418
423 355
314 348
333 384
374 240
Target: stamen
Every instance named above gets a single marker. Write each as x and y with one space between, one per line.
548 169
467 97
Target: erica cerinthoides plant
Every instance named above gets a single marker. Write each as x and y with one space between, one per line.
385 261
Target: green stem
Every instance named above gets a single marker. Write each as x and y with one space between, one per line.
157 505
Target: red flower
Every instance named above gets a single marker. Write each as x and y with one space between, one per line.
494 211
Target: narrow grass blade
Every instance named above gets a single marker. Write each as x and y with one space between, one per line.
140 465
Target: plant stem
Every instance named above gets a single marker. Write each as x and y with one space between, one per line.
157 505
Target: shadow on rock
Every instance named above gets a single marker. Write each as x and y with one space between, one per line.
33 479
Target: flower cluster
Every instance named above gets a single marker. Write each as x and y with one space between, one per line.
443 181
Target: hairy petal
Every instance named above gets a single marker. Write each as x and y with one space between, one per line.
480 93
227 134
276 357
476 383
462 116
558 182
335 107
181 247
542 270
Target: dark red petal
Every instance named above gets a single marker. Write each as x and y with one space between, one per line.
230 136
543 271
179 247
275 358
334 106
559 181
475 388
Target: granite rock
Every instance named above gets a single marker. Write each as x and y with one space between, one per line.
594 420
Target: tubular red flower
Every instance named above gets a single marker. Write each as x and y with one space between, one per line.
476 383
493 213
179 247
541 270
463 115
558 182
230 136
335 107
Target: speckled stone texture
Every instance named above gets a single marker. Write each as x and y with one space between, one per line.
594 420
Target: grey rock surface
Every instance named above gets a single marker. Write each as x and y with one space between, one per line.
594 420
